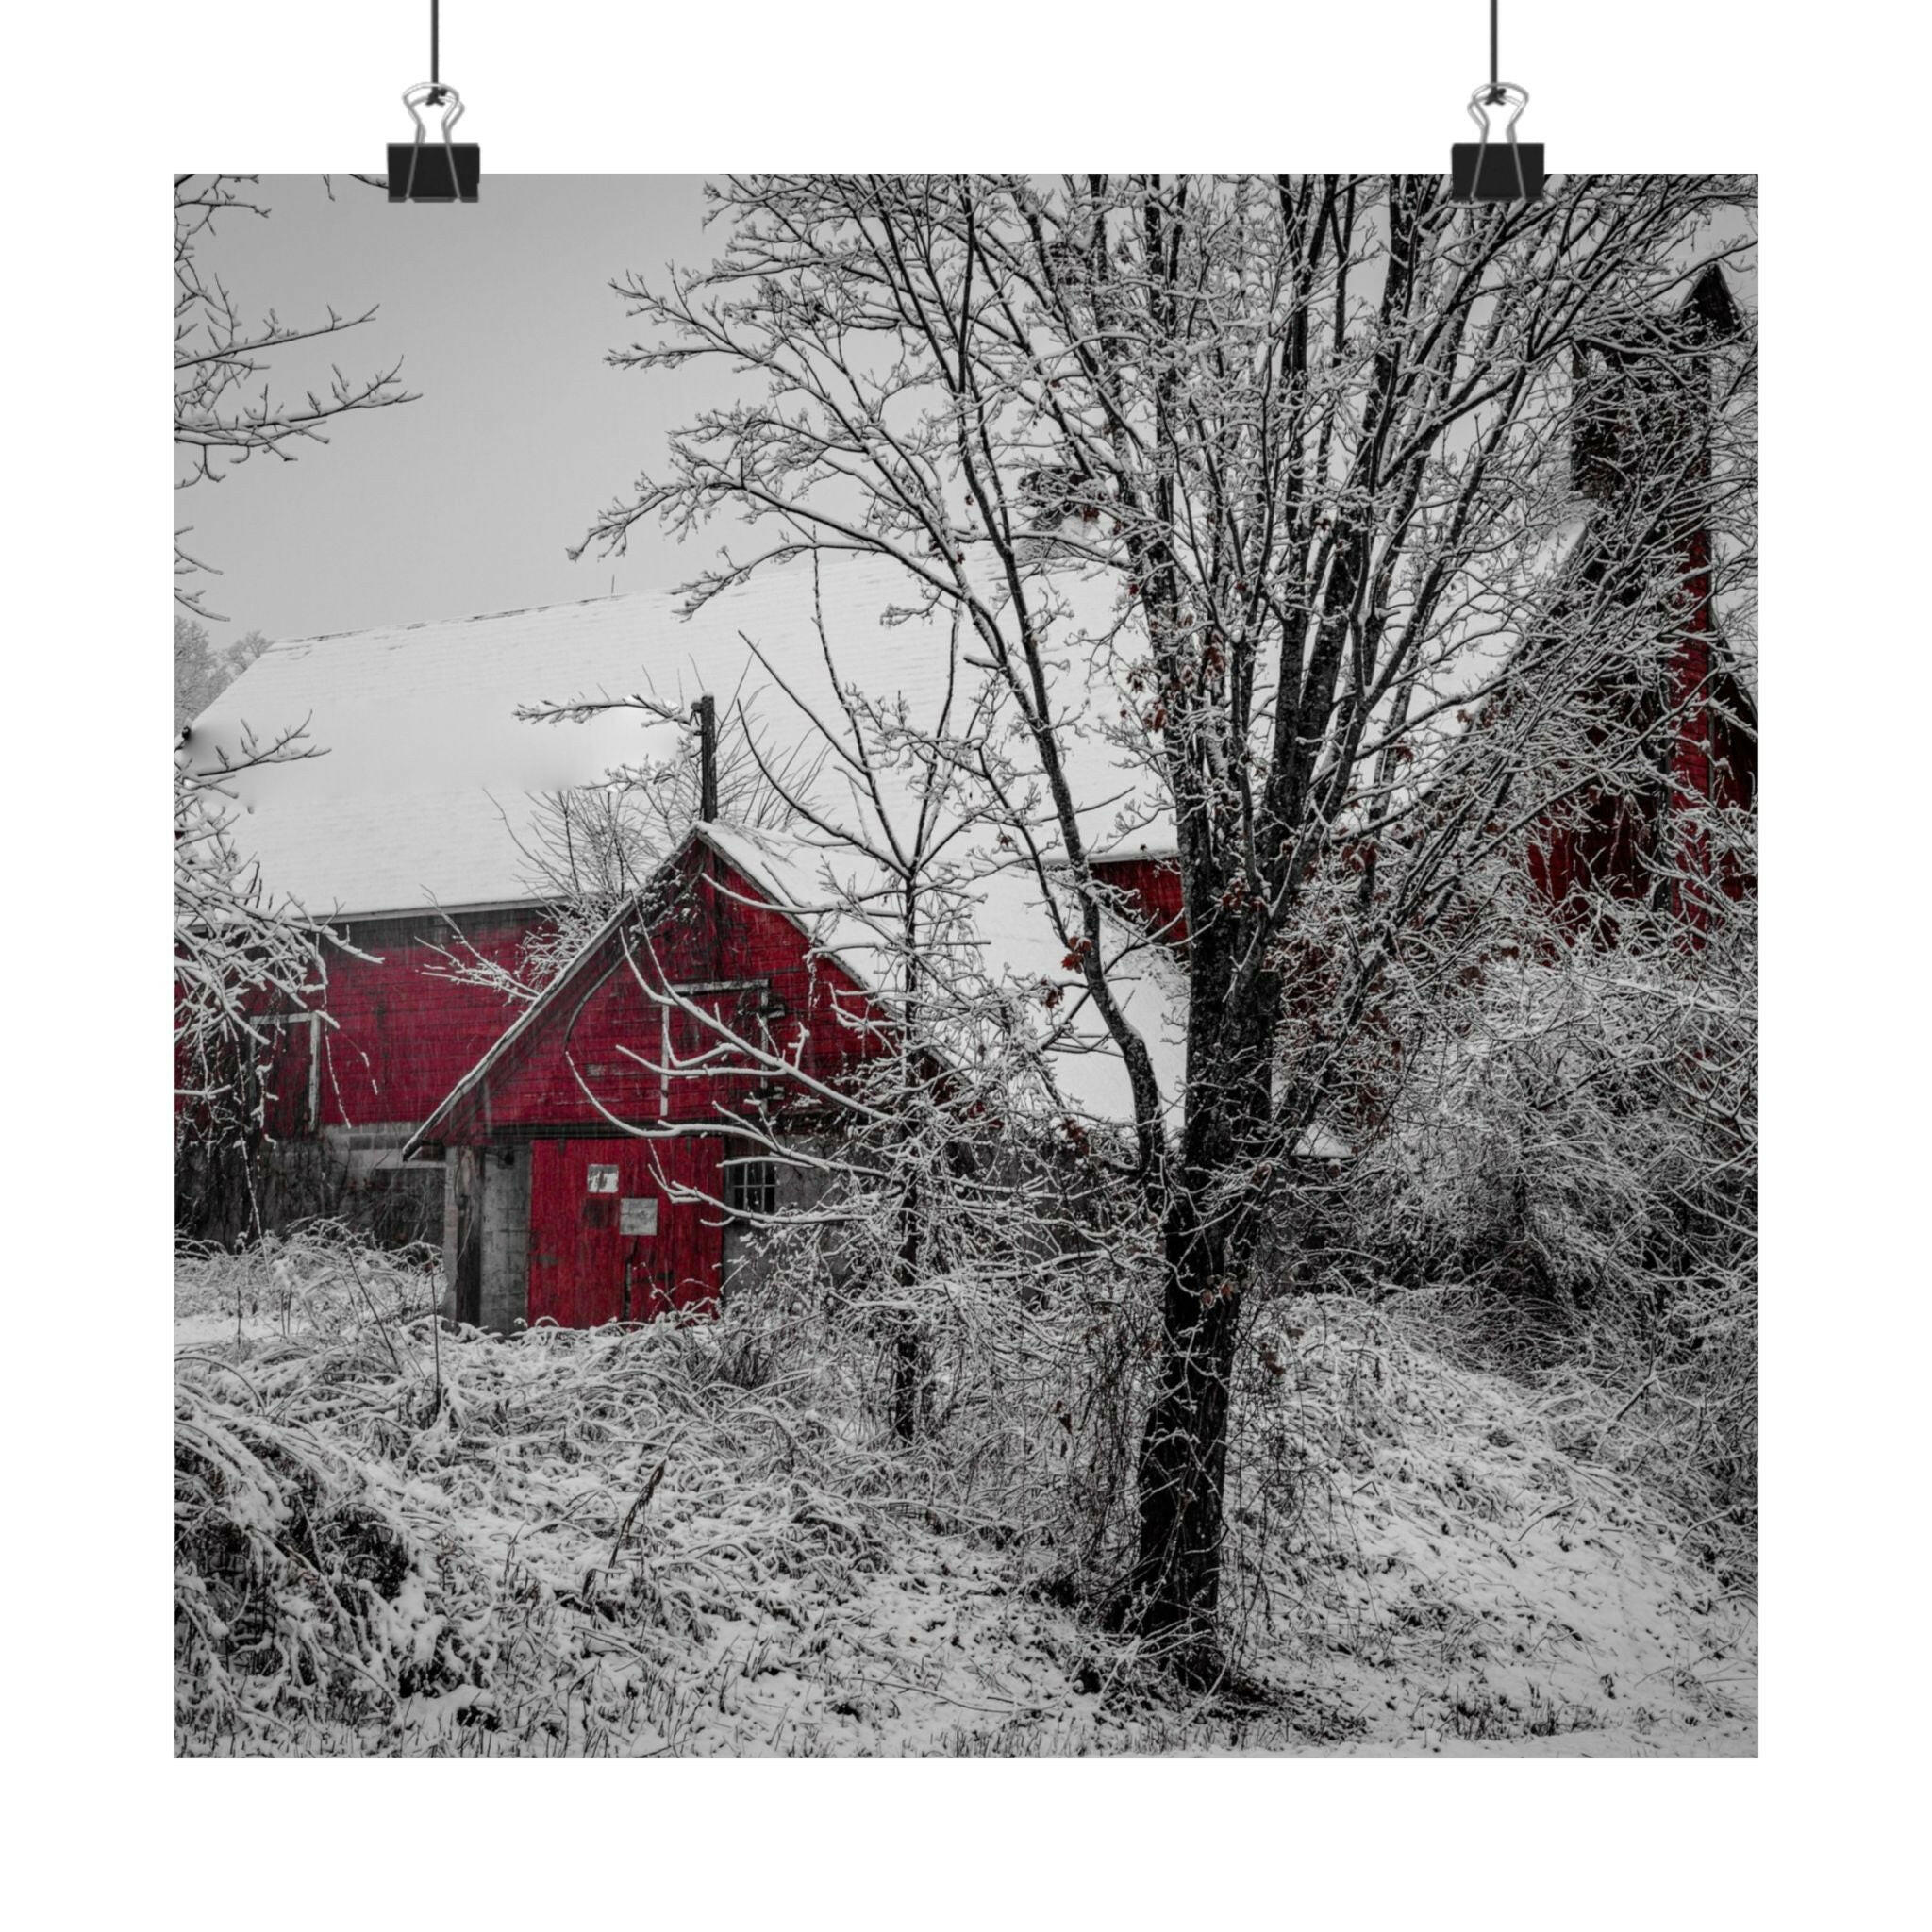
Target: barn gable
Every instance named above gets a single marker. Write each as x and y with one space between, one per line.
590 1153
635 1036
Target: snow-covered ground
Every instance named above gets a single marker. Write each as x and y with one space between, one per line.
1469 1585
602 1544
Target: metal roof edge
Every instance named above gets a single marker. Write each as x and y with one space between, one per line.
468 910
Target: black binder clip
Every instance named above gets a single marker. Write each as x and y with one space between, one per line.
447 170
1478 172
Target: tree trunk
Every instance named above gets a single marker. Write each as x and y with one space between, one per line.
1175 1588
911 1368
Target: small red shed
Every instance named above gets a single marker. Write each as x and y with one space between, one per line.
598 1161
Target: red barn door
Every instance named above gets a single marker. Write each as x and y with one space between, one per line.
606 1240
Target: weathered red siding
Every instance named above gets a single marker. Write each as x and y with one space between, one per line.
403 1035
1658 378
1620 845
1153 885
584 1268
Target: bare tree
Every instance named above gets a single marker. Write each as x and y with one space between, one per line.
221 419
201 672
247 964
864 822
244 958
1313 431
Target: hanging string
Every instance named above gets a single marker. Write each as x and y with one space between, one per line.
436 51
1496 85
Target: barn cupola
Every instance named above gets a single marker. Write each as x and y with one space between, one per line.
1642 434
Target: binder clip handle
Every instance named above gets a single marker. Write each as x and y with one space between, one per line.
1498 93
431 93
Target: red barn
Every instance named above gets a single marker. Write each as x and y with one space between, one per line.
434 1098
411 836
609 1156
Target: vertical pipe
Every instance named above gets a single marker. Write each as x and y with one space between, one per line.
708 757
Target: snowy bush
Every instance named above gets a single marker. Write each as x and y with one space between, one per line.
1569 1182
393 1534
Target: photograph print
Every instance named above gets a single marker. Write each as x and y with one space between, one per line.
965 966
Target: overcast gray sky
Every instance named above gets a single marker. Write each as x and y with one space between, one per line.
465 500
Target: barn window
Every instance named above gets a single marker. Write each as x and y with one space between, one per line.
751 1187
603 1181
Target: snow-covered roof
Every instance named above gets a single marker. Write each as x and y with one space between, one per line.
1013 947
430 780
